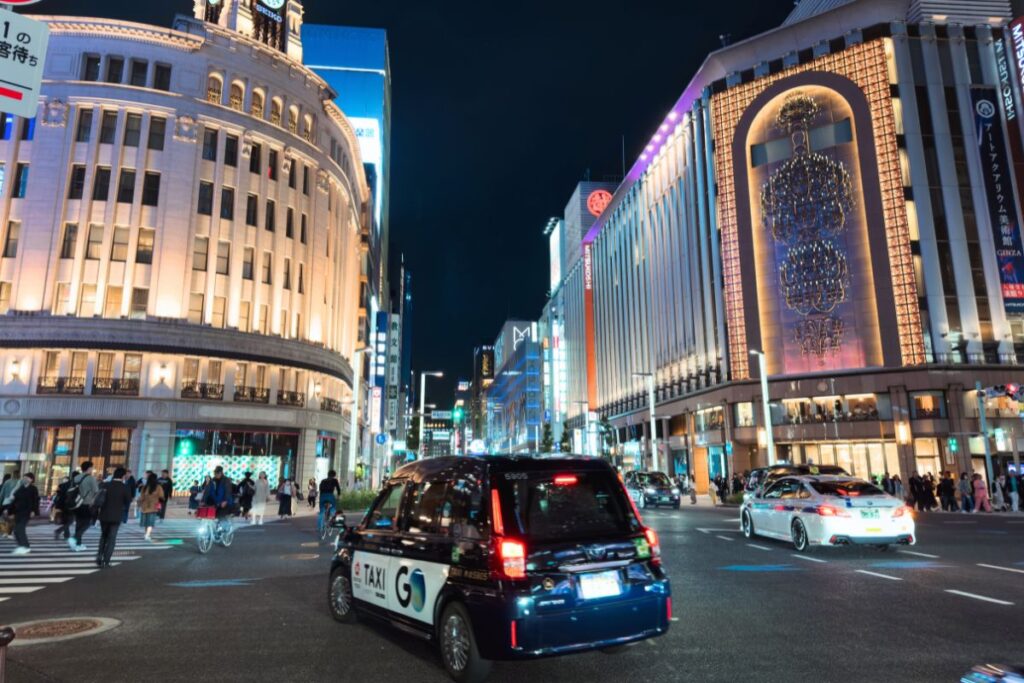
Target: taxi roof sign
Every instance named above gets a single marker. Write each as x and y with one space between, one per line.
23 44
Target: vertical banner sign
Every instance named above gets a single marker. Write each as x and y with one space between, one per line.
1002 204
22 52
1010 98
588 315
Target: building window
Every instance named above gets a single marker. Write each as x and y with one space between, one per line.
293 120
214 89
108 126
244 309
87 301
288 273
139 71
256 108
236 96
302 229
219 304
67 245
266 275
93 248
11 240
283 331
200 253
140 301
101 184
289 224
231 151
84 128
261 327
132 130
292 174
77 184
157 132
91 68
115 69
162 77
62 299
126 186
6 126
251 210
195 308
105 365
132 370
254 158
28 129
247 263
227 203
190 373
272 164
302 289
20 181
305 179
275 111
270 222
112 306
119 247
210 144
144 249
223 257
151 189
5 297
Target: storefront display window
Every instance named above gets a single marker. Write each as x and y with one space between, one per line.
745 414
927 405
927 457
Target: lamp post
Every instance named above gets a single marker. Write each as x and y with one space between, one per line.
766 404
586 429
423 400
353 433
649 376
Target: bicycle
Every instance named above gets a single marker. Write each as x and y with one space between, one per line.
212 530
324 521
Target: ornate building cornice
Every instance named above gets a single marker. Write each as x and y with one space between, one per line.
124 30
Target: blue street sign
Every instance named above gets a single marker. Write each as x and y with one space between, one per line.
382 438
547 415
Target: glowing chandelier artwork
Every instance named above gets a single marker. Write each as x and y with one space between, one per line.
804 205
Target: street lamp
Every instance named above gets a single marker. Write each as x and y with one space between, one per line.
649 376
353 429
423 399
766 403
586 429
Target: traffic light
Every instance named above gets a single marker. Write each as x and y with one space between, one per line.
458 413
952 444
186 447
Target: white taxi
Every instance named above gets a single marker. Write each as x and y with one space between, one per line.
828 511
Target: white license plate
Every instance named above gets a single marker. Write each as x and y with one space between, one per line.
600 585
869 514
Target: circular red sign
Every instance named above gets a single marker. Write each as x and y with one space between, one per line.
598 201
19 2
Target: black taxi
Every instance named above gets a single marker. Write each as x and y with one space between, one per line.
504 557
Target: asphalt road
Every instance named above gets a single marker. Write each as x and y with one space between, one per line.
746 612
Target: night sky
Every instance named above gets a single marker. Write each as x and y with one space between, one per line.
497 111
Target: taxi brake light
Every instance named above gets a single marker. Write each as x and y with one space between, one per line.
652 540
831 511
565 480
901 511
496 521
512 558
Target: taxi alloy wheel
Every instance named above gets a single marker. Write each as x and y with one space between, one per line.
461 658
339 597
747 524
800 540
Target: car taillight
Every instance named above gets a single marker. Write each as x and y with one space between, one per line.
511 558
496 521
668 608
514 636
902 511
652 540
831 511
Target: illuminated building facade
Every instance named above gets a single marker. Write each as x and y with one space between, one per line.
180 279
840 194
514 401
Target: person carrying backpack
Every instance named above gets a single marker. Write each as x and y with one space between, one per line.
81 493
26 503
60 505
246 490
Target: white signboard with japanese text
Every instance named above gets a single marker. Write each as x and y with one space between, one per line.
22 53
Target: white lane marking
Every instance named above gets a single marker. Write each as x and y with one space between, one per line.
809 559
881 576
964 522
32 571
675 618
1002 569
20 589
759 547
1018 522
35 579
979 597
914 552
40 564
705 530
725 538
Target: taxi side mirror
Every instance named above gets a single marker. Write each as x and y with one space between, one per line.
338 521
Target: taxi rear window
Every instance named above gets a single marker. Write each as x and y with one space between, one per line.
846 489
566 505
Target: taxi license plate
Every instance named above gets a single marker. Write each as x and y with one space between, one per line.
869 514
600 585
666 499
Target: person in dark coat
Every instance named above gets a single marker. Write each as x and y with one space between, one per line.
132 485
26 504
167 484
116 499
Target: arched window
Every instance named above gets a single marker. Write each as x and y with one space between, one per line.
307 128
258 102
275 111
214 89
237 96
293 120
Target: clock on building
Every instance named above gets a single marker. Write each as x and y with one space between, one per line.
273 4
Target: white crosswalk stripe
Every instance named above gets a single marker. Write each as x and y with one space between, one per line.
51 562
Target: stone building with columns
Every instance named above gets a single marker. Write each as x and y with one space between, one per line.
184 231
841 194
